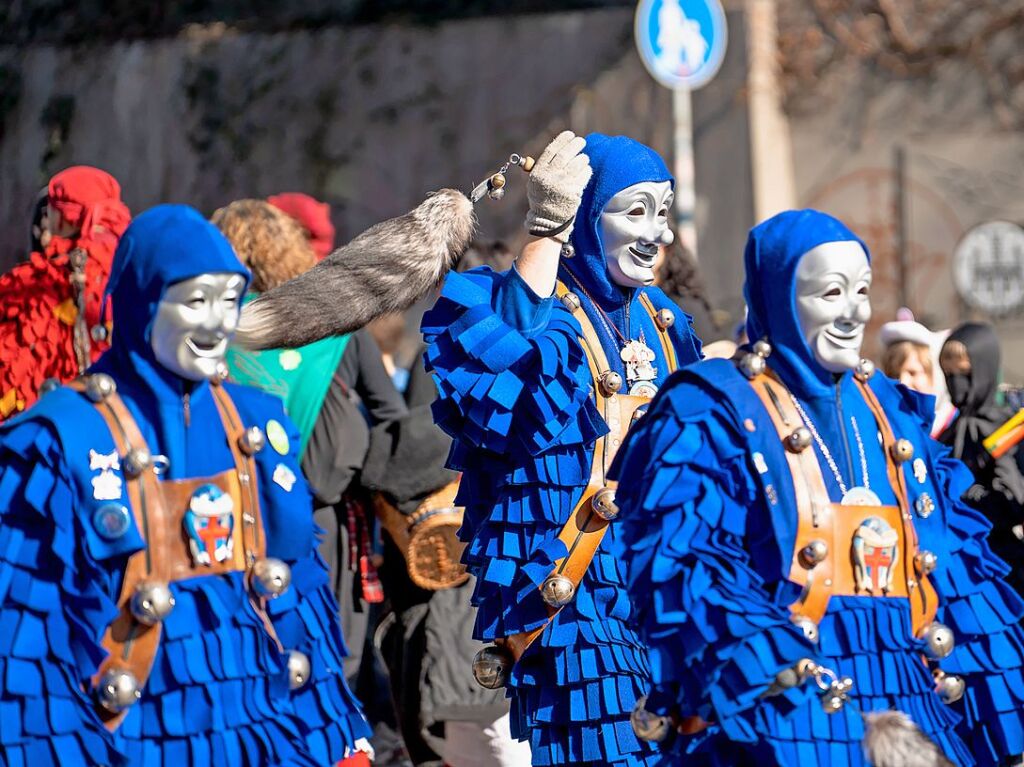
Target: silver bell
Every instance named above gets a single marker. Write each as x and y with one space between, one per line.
221 373
799 440
611 382
664 319
117 690
298 670
604 504
496 194
864 370
939 640
49 385
137 461
809 627
557 590
252 440
762 349
813 553
902 451
925 562
752 365
270 577
571 301
567 251
98 333
151 602
647 726
491 667
949 687
99 386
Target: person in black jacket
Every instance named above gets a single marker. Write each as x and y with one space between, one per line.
970 360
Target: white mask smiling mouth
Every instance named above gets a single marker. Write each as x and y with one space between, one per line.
633 224
211 349
833 281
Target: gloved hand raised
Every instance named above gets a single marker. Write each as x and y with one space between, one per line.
555 187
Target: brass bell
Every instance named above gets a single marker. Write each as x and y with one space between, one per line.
99 386
949 687
567 251
117 690
648 726
902 450
864 370
813 553
137 461
752 365
809 627
762 349
799 440
151 602
270 577
604 504
939 640
557 590
497 181
491 667
571 301
49 385
611 382
496 194
664 318
298 670
925 562
252 440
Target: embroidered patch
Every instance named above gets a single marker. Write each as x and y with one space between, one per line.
277 437
209 524
284 477
106 486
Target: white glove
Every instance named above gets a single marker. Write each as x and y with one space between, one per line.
555 187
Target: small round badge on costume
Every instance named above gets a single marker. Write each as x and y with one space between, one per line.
112 520
277 437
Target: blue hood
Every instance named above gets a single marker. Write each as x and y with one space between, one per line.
617 162
774 249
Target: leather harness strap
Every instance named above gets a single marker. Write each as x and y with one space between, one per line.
584 530
666 342
158 508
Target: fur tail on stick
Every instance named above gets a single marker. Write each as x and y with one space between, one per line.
385 269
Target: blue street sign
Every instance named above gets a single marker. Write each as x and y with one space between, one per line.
681 42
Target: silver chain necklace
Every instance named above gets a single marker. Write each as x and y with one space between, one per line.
826 453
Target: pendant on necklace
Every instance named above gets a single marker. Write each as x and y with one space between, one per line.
640 372
860 496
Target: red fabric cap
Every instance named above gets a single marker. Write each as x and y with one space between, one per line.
88 197
315 217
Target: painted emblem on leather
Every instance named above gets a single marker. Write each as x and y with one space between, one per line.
107 485
875 555
209 524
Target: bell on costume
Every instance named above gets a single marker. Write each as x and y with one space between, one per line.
151 602
99 386
117 690
137 461
751 365
864 370
604 504
557 590
799 440
648 726
298 669
270 577
949 687
491 667
939 640
252 441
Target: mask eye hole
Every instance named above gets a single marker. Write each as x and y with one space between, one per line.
663 213
195 302
637 210
864 290
833 293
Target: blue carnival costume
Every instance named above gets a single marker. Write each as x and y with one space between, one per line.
709 545
218 689
517 394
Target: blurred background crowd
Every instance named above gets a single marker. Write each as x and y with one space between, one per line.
296 125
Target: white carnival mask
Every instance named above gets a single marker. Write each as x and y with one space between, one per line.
633 224
833 281
195 320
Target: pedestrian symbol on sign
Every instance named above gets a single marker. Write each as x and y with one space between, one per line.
681 42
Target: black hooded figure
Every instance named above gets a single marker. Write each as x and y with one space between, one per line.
970 361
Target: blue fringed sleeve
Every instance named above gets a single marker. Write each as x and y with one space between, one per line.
511 374
306 619
53 611
984 614
716 636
